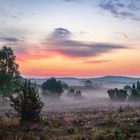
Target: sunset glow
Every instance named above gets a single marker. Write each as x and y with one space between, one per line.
81 38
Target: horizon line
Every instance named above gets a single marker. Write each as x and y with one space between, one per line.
80 77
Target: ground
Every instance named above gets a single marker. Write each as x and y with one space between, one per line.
85 124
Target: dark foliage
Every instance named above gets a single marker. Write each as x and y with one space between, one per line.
64 85
138 86
133 86
116 134
52 87
9 74
127 87
27 103
121 94
88 84
135 92
117 94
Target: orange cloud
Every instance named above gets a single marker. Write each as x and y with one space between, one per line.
62 56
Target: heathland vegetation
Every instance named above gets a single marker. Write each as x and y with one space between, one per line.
131 93
52 87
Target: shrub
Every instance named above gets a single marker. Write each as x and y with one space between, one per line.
27 103
117 94
138 86
135 94
121 94
73 93
52 87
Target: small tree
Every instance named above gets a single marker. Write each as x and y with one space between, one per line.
133 86
27 103
9 74
135 93
138 86
52 87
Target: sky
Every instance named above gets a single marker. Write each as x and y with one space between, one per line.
76 38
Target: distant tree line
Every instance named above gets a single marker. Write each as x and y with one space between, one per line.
131 93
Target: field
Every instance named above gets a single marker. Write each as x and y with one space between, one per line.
92 117
69 69
84 124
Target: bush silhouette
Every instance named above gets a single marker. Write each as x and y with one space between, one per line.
121 94
52 87
74 93
117 94
71 92
27 103
135 92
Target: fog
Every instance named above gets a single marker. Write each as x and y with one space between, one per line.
91 99
95 98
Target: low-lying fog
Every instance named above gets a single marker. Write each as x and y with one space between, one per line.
95 98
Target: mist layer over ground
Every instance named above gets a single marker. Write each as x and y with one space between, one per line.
96 98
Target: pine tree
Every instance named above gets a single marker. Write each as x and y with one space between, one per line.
27 103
